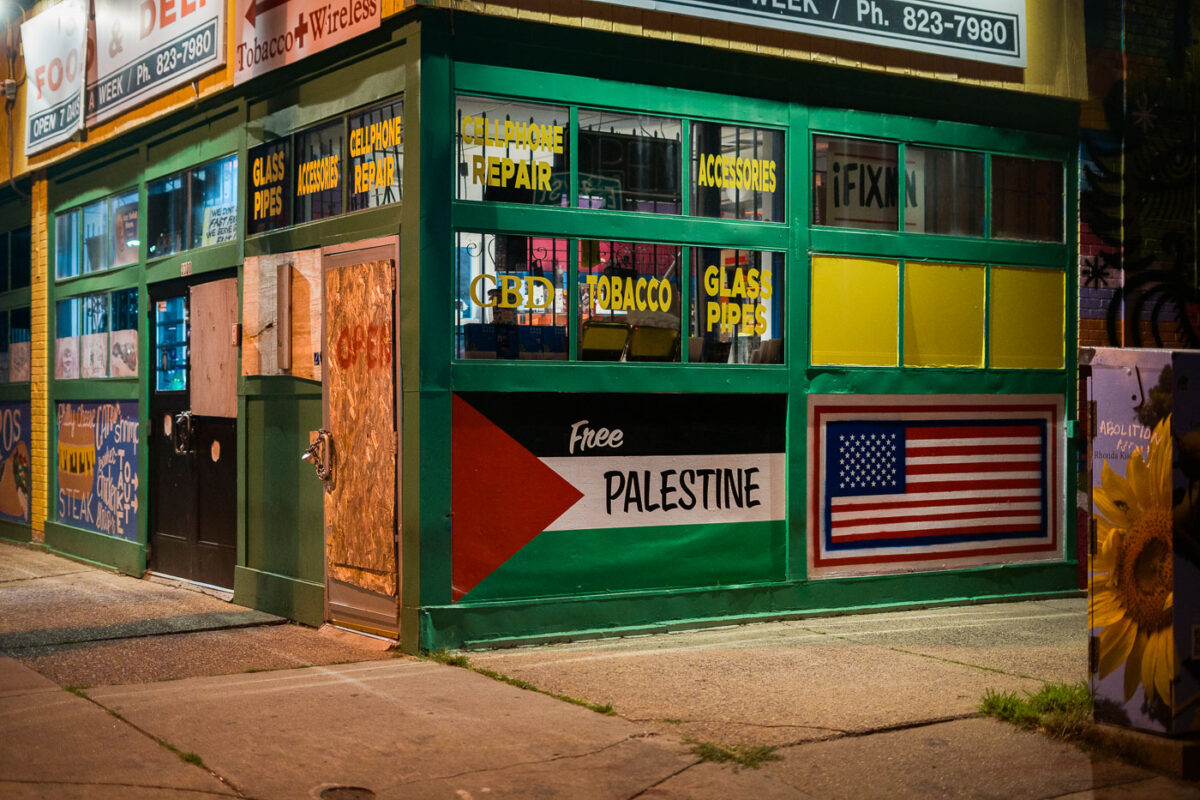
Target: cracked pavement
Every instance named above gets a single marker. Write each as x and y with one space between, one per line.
879 705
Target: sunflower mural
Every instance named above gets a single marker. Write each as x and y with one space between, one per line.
1132 581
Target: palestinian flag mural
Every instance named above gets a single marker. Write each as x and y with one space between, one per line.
558 494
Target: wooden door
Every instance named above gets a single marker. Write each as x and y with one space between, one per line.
361 533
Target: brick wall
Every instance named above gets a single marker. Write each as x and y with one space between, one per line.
40 373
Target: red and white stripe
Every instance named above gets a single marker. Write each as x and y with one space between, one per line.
962 479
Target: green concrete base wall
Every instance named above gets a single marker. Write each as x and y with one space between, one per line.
128 557
302 601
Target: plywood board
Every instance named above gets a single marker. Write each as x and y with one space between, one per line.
360 500
213 376
261 319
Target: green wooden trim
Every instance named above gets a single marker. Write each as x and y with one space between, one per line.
196 141
471 78
122 277
282 595
16 298
121 554
494 624
94 389
15 531
203 259
936 380
593 377
279 386
14 392
353 226
97 179
932 247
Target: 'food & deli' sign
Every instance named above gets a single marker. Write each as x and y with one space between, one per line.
55 44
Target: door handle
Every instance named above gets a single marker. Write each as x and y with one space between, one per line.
320 454
181 433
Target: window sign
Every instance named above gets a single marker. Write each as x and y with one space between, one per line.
55 43
123 219
123 335
512 301
376 155
629 162
93 342
512 152
66 344
857 184
737 172
66 245
214 202
95 228
166 215
319 172
629 301
270 200
737 307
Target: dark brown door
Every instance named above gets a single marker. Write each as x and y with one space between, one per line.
361 533
193 432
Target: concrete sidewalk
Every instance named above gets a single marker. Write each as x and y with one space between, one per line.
868 706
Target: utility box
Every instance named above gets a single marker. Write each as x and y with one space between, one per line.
1144 586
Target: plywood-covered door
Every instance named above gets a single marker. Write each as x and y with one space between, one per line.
361 533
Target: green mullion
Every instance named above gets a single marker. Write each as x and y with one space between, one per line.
95 389
473 78
685 168
900 311
685 304
902 179
120 278
573 161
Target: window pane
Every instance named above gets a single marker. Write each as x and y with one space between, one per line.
949 192
854 311
123 338
18 352
319 172
943 315
1027 199
166 215
66 245
629 162
856 184
171 345
1026 316
124 249
93 342
737 173
376 155
214 202
512 300
629 301
270 203
4 347
4 261
66 345
95 228
512 152
21 258
737 307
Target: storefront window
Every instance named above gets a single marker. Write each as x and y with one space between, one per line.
737 307
123 248
629 162
512 152
166 215
66 345
123 335
66 245
511 297
20 258
629 301
95 228
4 347
318 176
949 192
1027 199
214 190
856 183
93 341
376 155
19 347
171 345
737 172
270 202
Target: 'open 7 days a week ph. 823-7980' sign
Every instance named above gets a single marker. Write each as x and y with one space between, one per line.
979 30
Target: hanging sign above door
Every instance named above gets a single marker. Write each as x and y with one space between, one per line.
979 30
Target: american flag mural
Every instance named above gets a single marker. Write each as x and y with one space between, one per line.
909 483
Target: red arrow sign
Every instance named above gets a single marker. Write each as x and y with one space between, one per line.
261 6
502 496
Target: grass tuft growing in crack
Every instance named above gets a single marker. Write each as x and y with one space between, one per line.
752 756
461 661
77 691
1062 710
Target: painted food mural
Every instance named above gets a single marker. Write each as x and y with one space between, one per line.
569 494
97 467
15 466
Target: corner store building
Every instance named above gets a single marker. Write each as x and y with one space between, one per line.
589 278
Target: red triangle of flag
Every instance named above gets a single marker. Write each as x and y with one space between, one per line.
502 496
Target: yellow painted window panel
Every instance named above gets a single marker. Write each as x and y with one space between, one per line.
1027 318
943 315
854 311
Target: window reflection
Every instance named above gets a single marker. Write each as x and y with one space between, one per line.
214 202
629 162
629 301
737 172
166 215
737 307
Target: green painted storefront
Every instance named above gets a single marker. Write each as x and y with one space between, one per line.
595 580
